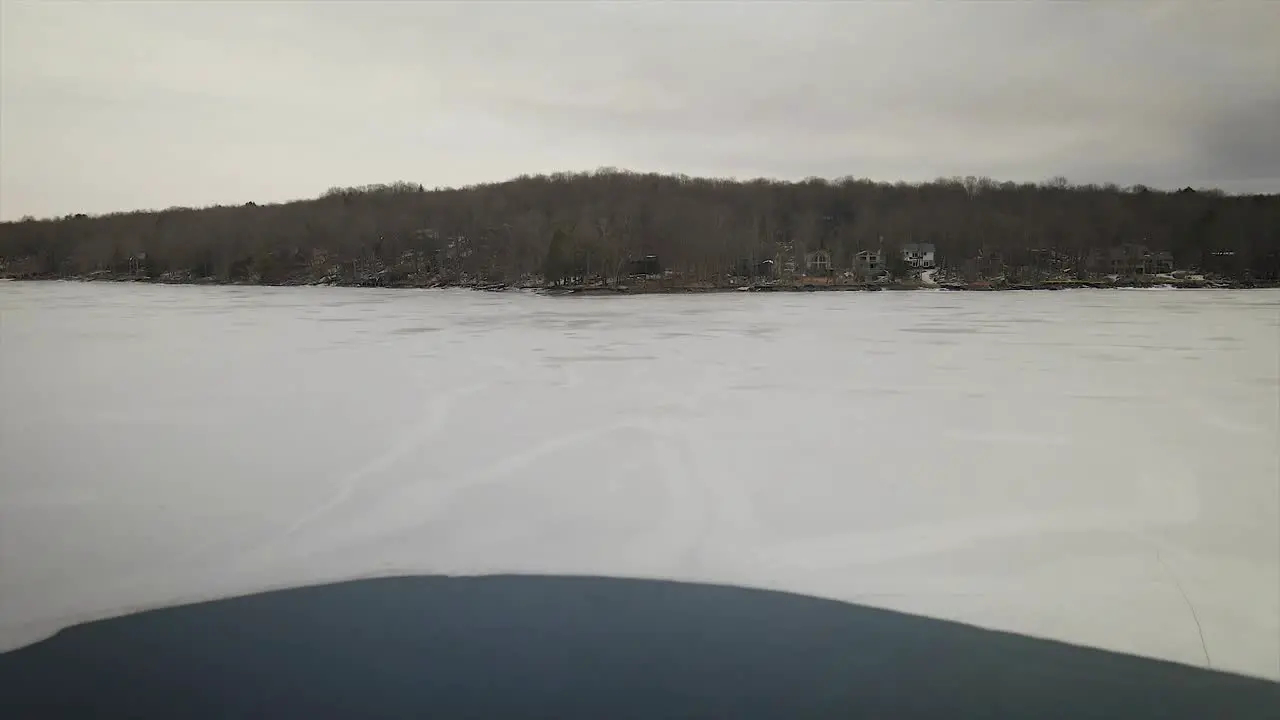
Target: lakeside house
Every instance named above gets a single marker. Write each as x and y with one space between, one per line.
646 266
1129 259
988 263
919 255
869 263
817 262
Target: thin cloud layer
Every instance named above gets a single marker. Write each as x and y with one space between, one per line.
113 106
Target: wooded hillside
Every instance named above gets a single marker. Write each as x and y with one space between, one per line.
595 224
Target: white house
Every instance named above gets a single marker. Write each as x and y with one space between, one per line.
918 255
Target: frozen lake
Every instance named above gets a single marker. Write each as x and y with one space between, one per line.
1097 467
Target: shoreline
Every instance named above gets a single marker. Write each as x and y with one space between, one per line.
671 288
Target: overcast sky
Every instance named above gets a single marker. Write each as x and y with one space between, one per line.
113 105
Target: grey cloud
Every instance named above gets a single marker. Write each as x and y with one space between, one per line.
1029 90
1241 144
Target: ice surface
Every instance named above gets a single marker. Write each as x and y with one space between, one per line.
1098 467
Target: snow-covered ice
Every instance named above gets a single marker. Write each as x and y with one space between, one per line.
1098 467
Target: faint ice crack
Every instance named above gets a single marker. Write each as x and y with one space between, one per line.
1172 576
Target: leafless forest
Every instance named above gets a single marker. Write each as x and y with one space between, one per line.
601 224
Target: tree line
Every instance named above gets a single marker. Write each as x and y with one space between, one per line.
603 224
